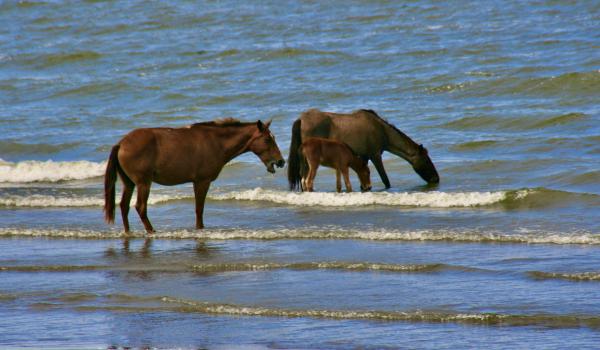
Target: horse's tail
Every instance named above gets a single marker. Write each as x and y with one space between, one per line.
110 179
294 157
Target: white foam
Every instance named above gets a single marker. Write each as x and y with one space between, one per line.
458 236
324 199
42 201
49 171
432 199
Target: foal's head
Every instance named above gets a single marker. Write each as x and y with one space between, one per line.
360 165
264 146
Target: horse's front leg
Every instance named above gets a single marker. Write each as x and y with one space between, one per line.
376 160
200 191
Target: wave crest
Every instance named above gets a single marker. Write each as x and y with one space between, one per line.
328 199
456 236
49 171
579 276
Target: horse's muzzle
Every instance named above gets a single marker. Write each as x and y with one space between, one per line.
271 165
365 189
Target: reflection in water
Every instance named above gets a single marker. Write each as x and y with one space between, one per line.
144 251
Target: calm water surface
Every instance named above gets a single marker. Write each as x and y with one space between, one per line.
504 253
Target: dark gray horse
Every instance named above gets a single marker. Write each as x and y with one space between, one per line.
367 134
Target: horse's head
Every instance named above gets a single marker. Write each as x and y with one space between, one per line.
264 146
360 165
423 165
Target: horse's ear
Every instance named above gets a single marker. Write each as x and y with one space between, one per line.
268 123
260 125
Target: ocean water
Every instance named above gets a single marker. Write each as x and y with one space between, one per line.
503 253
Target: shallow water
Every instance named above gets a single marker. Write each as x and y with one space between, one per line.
504 253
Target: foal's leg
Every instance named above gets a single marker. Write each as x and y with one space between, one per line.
347 179
128 187
141 206
338 180
200 190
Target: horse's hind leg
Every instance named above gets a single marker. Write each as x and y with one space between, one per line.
128 187
379 166
338 180
312 173
143 192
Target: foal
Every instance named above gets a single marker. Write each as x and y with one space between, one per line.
336 155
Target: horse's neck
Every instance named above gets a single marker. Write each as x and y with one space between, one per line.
234 141
400 144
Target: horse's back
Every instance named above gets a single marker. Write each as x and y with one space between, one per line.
361 129
161 154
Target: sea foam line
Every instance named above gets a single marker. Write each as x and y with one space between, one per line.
49 171
172 304
153 304
41 201
576 276
247 267
541 237
323 199
434 199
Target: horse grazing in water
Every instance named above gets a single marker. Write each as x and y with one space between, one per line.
172 156
333 154
367 134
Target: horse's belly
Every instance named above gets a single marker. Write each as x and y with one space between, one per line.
161 179
170 174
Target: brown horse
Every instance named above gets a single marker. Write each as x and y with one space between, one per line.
336 155
172 156
367 134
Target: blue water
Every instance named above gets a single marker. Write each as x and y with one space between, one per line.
503 253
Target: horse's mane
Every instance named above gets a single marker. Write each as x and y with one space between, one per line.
372 112
221 122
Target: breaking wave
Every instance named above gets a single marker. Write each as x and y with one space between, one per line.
29 171
49 171
324 199
579 276
509 200
408 316
329 199
129 303
41 201
531 237
247 266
